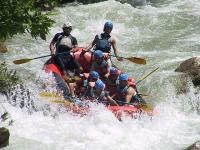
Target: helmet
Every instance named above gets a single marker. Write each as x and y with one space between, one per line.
67 25
108 24
98 54
99 85
114 70
123 77
94 74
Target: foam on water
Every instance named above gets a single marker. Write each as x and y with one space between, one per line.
165 35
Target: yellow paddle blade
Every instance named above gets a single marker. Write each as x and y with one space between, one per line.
137 60
58 101
49 94
144 107
21 61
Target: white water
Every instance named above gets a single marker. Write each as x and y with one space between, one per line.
165 35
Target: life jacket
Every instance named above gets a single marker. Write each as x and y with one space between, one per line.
103 43
64 44
82 83
131 82
102 69
84 59
111 86
52 68
121 92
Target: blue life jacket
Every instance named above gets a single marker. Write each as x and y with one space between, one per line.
137 99
103 43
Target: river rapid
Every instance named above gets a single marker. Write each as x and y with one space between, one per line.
165 33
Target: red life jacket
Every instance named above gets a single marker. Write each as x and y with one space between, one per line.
103 68
131 82
84 59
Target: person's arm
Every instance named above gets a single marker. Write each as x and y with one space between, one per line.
52 48
114 46
130 93
91 44
52 44
110 100
75 45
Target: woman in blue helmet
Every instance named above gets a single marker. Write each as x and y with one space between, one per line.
105 41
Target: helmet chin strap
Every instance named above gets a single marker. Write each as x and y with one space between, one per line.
66 33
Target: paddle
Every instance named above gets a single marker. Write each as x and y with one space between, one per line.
144 77
139 106
50 94
58 101
136 60
25 60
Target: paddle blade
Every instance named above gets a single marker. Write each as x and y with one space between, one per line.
137 60
144 107
50 94
58 101
22 61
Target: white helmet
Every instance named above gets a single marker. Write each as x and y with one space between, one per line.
67 25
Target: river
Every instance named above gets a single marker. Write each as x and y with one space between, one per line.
164 32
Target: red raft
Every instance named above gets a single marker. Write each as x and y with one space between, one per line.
131 111
84 59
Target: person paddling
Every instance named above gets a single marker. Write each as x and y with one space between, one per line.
63 42
101 95
112 81
88 83
100 64
126 92
105 41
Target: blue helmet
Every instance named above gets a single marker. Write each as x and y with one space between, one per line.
99 85
114 70
94 74
98 54
108 24
123 76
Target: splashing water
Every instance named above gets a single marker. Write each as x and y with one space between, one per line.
163 32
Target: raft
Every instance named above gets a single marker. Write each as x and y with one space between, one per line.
84 59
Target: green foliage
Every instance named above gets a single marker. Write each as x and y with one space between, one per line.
19 16
8 78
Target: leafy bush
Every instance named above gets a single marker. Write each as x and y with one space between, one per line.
8 78
19 16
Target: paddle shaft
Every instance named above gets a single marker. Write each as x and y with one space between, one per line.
147 75
118 56
50 55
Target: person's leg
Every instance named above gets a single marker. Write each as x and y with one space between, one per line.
62 86
59 61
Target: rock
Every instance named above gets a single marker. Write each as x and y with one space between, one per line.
195 146
192 68
3 48
4 137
